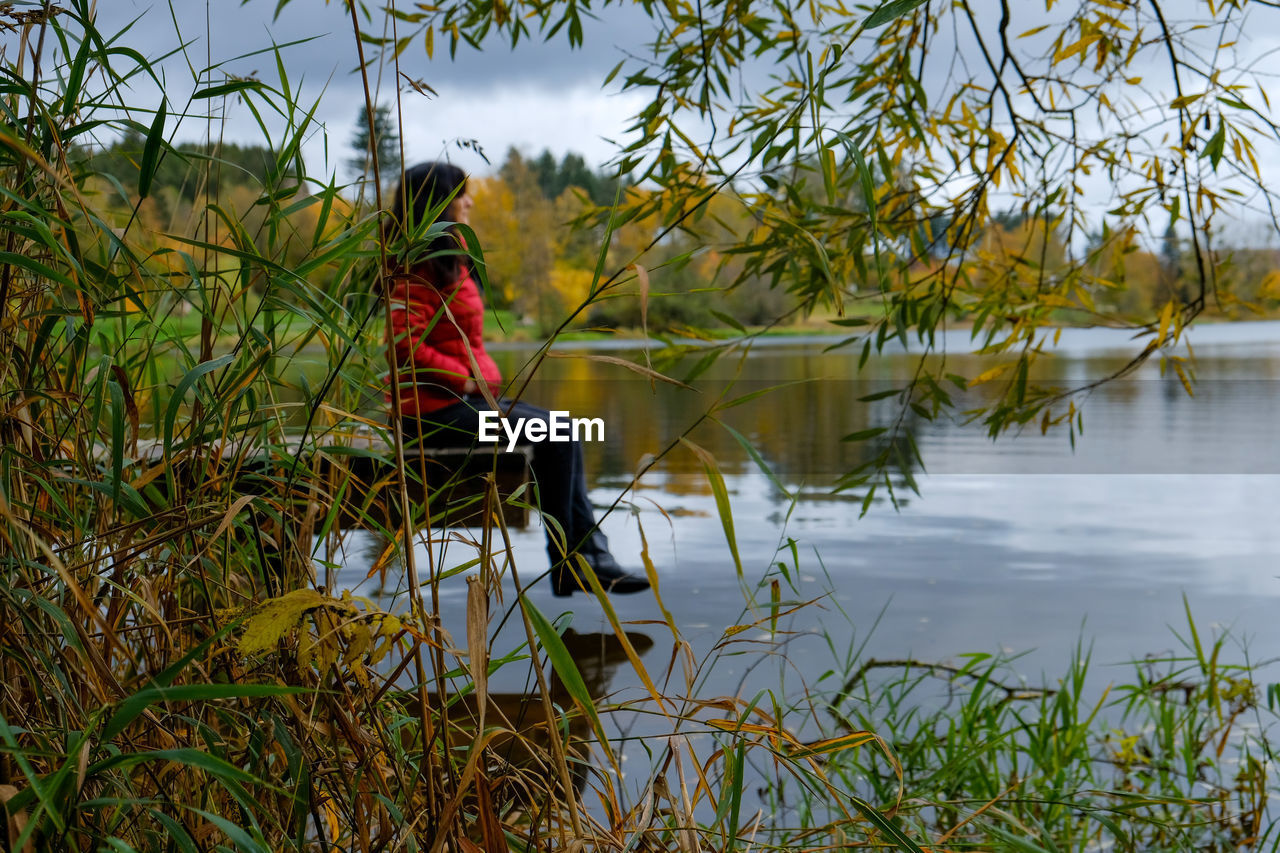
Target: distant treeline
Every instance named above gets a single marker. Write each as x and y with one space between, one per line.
539 219
189 171
1128 272
541 223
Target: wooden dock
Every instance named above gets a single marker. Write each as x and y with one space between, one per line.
349 478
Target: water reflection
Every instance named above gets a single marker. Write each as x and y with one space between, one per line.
524 744
810 401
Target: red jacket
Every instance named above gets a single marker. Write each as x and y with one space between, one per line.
428 345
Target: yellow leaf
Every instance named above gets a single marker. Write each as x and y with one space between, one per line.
389 627
1085 297
325 651
835 744
277 617
988 375
306 649
1165 317
753 728
359 638
1182 377
1078 47
1269 288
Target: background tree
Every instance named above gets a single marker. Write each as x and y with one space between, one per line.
530 244
192 172
540 249
1173 282
378 143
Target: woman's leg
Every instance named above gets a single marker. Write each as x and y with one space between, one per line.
456 425
560 482
560 479
560 491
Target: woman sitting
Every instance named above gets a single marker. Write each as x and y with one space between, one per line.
439 360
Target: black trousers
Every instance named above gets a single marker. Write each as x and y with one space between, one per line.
560 480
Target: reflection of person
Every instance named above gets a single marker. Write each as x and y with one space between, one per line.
438 357
524 739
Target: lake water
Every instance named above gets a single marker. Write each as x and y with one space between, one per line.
1021 545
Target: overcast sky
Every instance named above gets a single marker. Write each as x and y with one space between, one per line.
536 96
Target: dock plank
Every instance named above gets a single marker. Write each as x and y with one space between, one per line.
356 469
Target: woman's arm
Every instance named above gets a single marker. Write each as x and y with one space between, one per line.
416 334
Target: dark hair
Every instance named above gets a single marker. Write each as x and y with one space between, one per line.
425 189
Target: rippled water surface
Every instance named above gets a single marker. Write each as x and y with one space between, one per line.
1023 544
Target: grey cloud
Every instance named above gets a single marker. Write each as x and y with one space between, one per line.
322 68
331 52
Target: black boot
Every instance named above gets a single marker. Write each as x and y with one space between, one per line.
566 577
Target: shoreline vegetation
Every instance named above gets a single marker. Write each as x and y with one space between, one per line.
174 675
506 330
1176 756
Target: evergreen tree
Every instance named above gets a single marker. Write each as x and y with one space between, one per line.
381 141
571 172
1172 284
